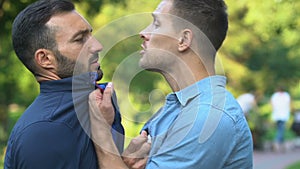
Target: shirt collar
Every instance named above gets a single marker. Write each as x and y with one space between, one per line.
79 82
204 85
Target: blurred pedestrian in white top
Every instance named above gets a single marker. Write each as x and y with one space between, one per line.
281 107
247 102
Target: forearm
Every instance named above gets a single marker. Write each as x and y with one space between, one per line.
134 156
106 150
107 153
101 117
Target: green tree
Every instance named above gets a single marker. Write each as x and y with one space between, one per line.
261 52
265 38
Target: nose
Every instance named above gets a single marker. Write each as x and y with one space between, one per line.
145 34
95 46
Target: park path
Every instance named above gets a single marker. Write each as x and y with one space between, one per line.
272 160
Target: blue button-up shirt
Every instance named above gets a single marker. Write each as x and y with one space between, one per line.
200 127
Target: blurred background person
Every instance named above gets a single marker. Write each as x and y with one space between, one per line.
281 107
247 102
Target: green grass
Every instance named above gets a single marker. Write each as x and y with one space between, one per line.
294 166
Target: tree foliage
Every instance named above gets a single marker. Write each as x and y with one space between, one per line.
264 38
260 52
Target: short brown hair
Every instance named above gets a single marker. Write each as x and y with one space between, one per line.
209 16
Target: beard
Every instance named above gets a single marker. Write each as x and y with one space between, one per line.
97 70
100 74
66 67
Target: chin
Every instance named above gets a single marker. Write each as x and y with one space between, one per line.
148 67
142 64
100 74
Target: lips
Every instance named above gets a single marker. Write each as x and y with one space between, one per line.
94 64
94 59
144 46
144 49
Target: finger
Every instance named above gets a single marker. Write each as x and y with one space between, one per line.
95 95
98 96
139 158
136 163
107 94
95 98
135 144
143 151
144 133
140 164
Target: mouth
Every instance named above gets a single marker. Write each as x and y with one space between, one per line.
94 65
94 59
143 49
95 62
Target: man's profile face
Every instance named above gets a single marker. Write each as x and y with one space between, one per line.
73 35
160 39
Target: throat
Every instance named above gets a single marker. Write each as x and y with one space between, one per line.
181 79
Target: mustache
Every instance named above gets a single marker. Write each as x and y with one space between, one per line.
94 57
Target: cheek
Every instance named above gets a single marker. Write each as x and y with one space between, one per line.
78 55
71 53
164 43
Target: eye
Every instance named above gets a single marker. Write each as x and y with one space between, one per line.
80 39
156 24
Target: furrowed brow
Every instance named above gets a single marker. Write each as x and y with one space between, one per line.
81 32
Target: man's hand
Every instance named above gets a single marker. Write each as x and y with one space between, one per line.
101 108
136 154
102 116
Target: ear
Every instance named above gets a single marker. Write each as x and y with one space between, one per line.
44 58
185 40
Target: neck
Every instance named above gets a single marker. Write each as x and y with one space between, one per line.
40 77
187 75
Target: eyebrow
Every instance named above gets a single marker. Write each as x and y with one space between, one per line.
156 14
81 32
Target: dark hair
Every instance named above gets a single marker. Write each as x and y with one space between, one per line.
29 30
209 16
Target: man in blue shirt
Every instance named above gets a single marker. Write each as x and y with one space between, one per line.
53 132
201 125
